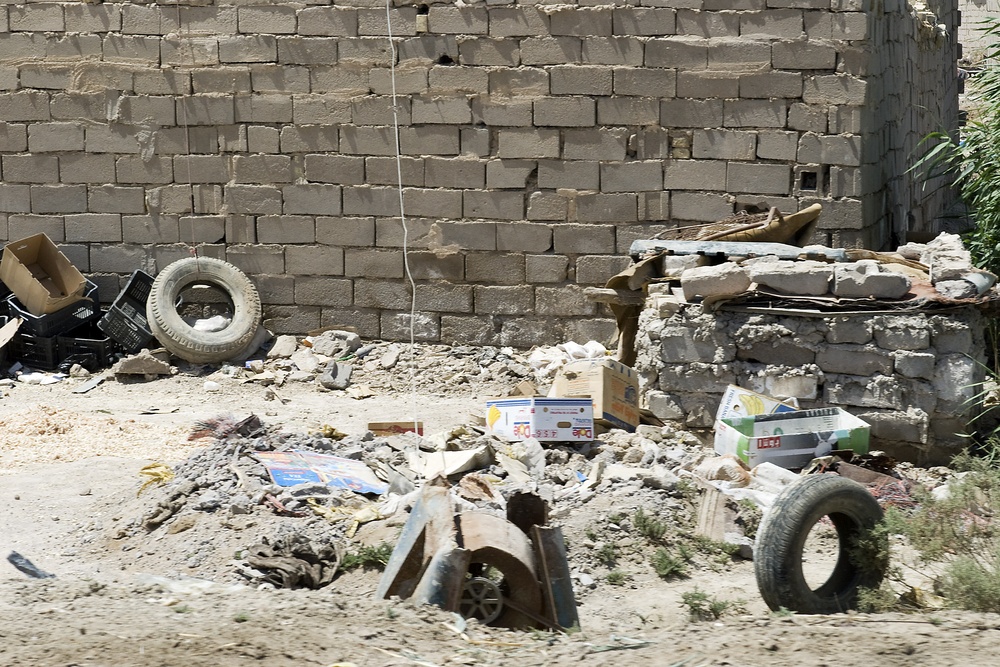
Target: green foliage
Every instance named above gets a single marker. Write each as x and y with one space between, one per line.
367 557
749 515
241 617
616 517
667 565
877 600
608 553
616 578
704 607
647 526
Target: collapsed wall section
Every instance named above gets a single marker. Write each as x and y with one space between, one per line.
911 376
538 141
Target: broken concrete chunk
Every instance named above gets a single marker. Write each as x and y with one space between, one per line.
142 363
719 280
336 343
809 278
869 278
674 265
284 347
336 375
956 289
305 360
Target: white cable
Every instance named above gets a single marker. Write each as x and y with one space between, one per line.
402 218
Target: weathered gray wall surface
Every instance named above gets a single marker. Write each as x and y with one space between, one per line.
912 376
974 45
538 142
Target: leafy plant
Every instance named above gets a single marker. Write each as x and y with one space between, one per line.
704 607
668 566
241 617
616 578
748 515
367 557
647 526
608 553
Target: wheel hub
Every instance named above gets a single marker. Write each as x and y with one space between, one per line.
481 600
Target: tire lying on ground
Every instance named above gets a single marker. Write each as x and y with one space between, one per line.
782 536
182 340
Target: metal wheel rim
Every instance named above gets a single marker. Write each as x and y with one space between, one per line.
481 600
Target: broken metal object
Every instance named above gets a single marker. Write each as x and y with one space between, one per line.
27 567
481 565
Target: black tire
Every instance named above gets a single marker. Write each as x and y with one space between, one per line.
782 535
181 340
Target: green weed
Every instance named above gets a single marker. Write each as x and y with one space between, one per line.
704 607
616 578
650 528
668 566
367 557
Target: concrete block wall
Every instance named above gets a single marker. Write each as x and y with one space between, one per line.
974 43
538 140
911 376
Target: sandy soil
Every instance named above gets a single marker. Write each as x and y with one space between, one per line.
69 480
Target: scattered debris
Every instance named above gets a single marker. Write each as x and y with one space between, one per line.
27 567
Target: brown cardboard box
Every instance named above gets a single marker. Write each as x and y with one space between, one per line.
613 386
40 276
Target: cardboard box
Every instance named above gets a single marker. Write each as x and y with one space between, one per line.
791 439
395 428
612 386
740 402
546 419
40 276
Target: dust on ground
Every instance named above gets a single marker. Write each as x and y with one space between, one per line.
175 595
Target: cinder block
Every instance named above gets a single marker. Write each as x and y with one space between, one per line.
365 322
694 175
682 53
737 54
367 140
522 332
118 258
339 231
325 109
551 51
528 143
429 140
15 199
91 227
523 237
802 55
854 360
721 279
840 150
323 291
467 235
867 279
792 277
433 202
206 110
116 199
509 173
575 239
547 206
253 199
86 168
444 297
248 49
518 22
262 169
374 21
340 169
580 80
154 229
408 81
420 232
466 20
383 171
581 21
255 259
486 52
475 141
263 108
501 112
597 269
768 85
754 113
777 145
493 205
426 49
189 51
594 144
845 119
292 320
632 176
630 111
526 81
697 23
707 84
645 82
91 18
613 51
433 110
545 268
842 214
277 20
652 143
851 26
30 168
436 266
645 21
58 198
37 18
563 301
497 268
724 144
691 113
282 80
772 24
700 207
311 199
41 76
458 329
398 326
601 207
201 229
451 79
504 300
312 260
807 118
309 50
835 89
569 174
278 290
845 182
24 106
202 168
13 137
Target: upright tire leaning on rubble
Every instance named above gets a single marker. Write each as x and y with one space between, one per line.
182 340
782 536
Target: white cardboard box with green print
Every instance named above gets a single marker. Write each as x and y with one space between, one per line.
791 439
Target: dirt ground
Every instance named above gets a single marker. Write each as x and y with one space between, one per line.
69 481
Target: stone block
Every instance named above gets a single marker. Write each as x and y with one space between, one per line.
724 144
862 360
580 80
323 291
700 207
793 277
869 279
545 268
528 143
564 112
956 382
548 206
607 207
802 387
254 259
288 229
604 144
632 176
643 82
902 332
504 300
597 269
575 239
59 199
632 111
509 173
665 406
94 227
781 352
775 179
754 113
919 365
493 205
720 280
697 23
682 53
612 51
707 84
523 237
469 330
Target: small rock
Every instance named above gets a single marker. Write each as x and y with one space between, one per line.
336 375
211 385
300 376
336 343
143 363
389 359
208 501
305 360
284 347
183 523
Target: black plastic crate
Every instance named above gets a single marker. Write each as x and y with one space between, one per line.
61 321
125 321
4 294
39 352
87 340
